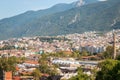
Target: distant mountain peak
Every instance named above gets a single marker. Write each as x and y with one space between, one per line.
84 2
80 3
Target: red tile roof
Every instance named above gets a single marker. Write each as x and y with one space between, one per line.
16 78
32 62
8 75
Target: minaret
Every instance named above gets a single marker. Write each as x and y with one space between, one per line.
114 45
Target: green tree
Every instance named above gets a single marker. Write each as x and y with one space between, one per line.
8 64
51 70
110 70
108 54
80 76
45 67
118 57
94 73
7 47
76 54
37 74
84 53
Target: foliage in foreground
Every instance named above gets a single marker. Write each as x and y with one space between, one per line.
80 76
110 70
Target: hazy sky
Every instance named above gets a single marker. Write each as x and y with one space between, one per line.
10 8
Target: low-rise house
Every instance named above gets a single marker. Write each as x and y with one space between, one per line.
31 64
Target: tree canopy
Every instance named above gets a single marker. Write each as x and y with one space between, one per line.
8 64
80 76
110 70
108 54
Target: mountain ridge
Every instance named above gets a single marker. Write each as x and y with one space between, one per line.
93 16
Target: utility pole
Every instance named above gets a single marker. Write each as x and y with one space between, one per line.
114 45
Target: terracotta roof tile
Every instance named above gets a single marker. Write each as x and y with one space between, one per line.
8 75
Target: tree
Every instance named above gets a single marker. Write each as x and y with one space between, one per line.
76 54
8 64
22 59
110 70
84 53
80 76
51 70
118 57
108 54
45 67
37 74
7 47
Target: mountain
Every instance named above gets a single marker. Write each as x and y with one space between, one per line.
103 16
64 19
16 25
83 2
